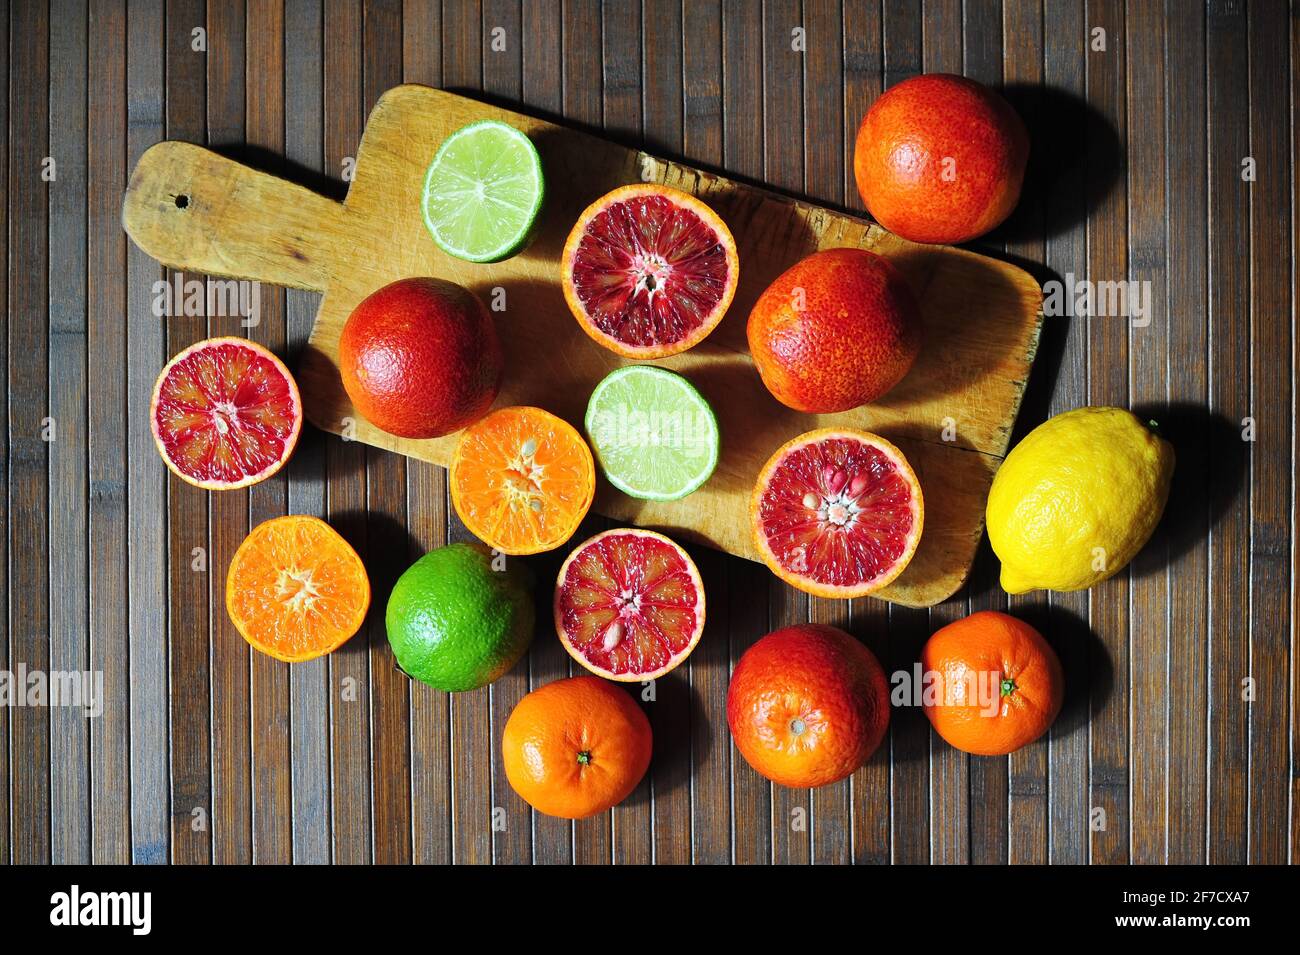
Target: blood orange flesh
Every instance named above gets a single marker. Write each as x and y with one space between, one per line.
649 271
629 605
225 413
837 513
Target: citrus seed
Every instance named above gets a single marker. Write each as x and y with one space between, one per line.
613 635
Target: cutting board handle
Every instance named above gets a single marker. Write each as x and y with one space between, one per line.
197 211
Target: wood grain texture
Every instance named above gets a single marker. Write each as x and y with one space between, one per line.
1136 173
28 442
1229 399
980 315
106 265
1149 357
191 564
1109 353
1189 505
1066 337
1272 473
69 572
147 553
232 745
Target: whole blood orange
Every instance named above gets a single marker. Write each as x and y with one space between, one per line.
629 605
997 683
940 158
576 747
522 480
225 413
295 589
837 513
807 705
649 270
835 331
420 358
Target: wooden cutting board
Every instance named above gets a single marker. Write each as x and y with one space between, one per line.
952 416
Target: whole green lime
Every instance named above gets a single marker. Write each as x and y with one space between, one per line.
456 622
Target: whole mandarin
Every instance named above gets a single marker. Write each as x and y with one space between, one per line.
999 683
576 747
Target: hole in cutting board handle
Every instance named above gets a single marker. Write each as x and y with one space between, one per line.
182 201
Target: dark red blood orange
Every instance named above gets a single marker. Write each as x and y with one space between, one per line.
629 605
420 358
649 270
835 331
837 513
807 705
940 158
225 413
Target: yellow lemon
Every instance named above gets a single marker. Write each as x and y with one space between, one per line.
1076 499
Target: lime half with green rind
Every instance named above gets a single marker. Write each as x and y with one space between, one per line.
653 433
483 192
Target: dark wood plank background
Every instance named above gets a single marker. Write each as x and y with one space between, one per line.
209 753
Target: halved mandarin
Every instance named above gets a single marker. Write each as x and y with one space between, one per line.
522 480
296 589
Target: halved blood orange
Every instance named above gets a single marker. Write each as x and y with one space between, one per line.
225 414
837 512
296 589
649 270
629 605
522 480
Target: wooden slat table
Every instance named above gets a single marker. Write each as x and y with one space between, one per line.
1165 152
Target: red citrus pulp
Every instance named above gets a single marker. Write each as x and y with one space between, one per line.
649 270
837 512
225 414
629 605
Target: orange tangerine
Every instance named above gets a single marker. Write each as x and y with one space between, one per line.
296 590
522 480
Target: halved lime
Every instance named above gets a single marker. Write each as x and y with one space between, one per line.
483 191
655 436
